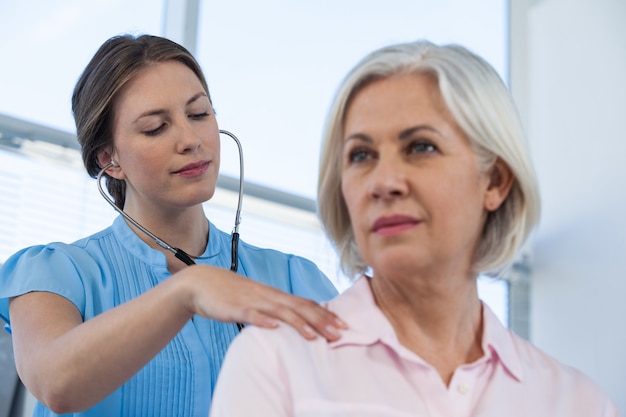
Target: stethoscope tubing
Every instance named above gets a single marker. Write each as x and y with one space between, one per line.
179 253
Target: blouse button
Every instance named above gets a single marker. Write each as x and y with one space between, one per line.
463 388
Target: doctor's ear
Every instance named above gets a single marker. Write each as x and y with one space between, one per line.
105 159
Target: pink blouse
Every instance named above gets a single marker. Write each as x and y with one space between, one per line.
368 373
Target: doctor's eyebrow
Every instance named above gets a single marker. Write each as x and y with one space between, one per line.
158 112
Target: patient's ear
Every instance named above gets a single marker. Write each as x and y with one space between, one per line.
500 182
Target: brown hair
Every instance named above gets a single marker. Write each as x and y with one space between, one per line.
117 61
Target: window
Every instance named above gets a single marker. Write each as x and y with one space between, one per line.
272 67
47 45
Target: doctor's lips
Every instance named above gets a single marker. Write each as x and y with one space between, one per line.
392 225
193 170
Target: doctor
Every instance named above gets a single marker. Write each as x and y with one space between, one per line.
102 326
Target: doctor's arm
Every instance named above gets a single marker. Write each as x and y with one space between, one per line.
71 365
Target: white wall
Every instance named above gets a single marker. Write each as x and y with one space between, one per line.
572 88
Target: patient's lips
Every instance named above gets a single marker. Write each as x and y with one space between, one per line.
393 225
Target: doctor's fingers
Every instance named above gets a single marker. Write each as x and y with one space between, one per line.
222 295
306 316
262 305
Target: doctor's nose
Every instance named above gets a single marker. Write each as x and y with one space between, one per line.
187 138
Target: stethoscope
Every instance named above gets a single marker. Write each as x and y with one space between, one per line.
179 253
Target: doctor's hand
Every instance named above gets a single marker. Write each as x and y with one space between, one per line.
223 295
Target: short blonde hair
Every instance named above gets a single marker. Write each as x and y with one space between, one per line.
483 108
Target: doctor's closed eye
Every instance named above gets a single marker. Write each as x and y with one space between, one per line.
193 116
199 116
155 131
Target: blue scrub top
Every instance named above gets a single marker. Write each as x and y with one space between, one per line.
113 266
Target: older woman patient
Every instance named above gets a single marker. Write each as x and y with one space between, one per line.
425 182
